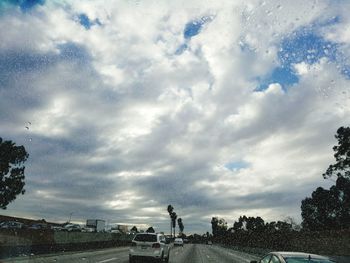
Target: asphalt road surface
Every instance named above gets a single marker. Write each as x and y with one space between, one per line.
190 253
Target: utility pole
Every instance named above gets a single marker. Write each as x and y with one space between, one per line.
70 217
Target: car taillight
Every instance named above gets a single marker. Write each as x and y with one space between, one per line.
133 244
156 245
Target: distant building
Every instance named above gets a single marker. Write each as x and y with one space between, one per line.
97 224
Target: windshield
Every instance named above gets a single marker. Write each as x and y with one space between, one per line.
225 123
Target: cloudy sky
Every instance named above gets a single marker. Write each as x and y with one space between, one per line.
220 109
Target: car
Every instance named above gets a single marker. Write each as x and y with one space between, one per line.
73 228
209 242
58 228
38 226
149 246
11 225
178 242
88 229
293 257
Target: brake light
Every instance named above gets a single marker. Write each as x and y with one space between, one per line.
156 245
133 244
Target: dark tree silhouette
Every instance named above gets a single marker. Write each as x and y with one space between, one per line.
170 210
12 160
219 226
181 225
328 209
134 229
173 220
150 230
342 155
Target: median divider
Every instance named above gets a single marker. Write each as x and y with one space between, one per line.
24 242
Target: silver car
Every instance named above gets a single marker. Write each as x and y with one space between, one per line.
149 245
293 257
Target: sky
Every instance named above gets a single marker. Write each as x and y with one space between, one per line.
219 109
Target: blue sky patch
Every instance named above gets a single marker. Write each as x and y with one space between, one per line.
23 4
285 76
307 47
236 165
304 46
194 27
86 22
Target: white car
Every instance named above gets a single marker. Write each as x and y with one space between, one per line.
149 245
178 242
72 228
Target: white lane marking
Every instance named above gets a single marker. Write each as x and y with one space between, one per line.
107 260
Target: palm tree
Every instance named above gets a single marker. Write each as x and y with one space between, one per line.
173 220
170 211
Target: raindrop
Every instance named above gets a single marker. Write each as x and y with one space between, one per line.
268 12
28 125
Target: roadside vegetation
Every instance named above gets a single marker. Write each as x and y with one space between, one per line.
325 226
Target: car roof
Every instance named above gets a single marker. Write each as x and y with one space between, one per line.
287 254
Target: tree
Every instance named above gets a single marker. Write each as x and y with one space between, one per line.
342 155
173 220
328 209
170 210
249 224
150 230
219 226
181 225
134 229
12 167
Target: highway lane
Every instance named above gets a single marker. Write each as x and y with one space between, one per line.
190 253
208 253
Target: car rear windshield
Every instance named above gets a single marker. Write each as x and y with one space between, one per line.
146 238
306 260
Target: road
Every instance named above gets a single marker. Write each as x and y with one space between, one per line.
190 253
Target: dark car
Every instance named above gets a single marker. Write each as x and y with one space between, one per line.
293 257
